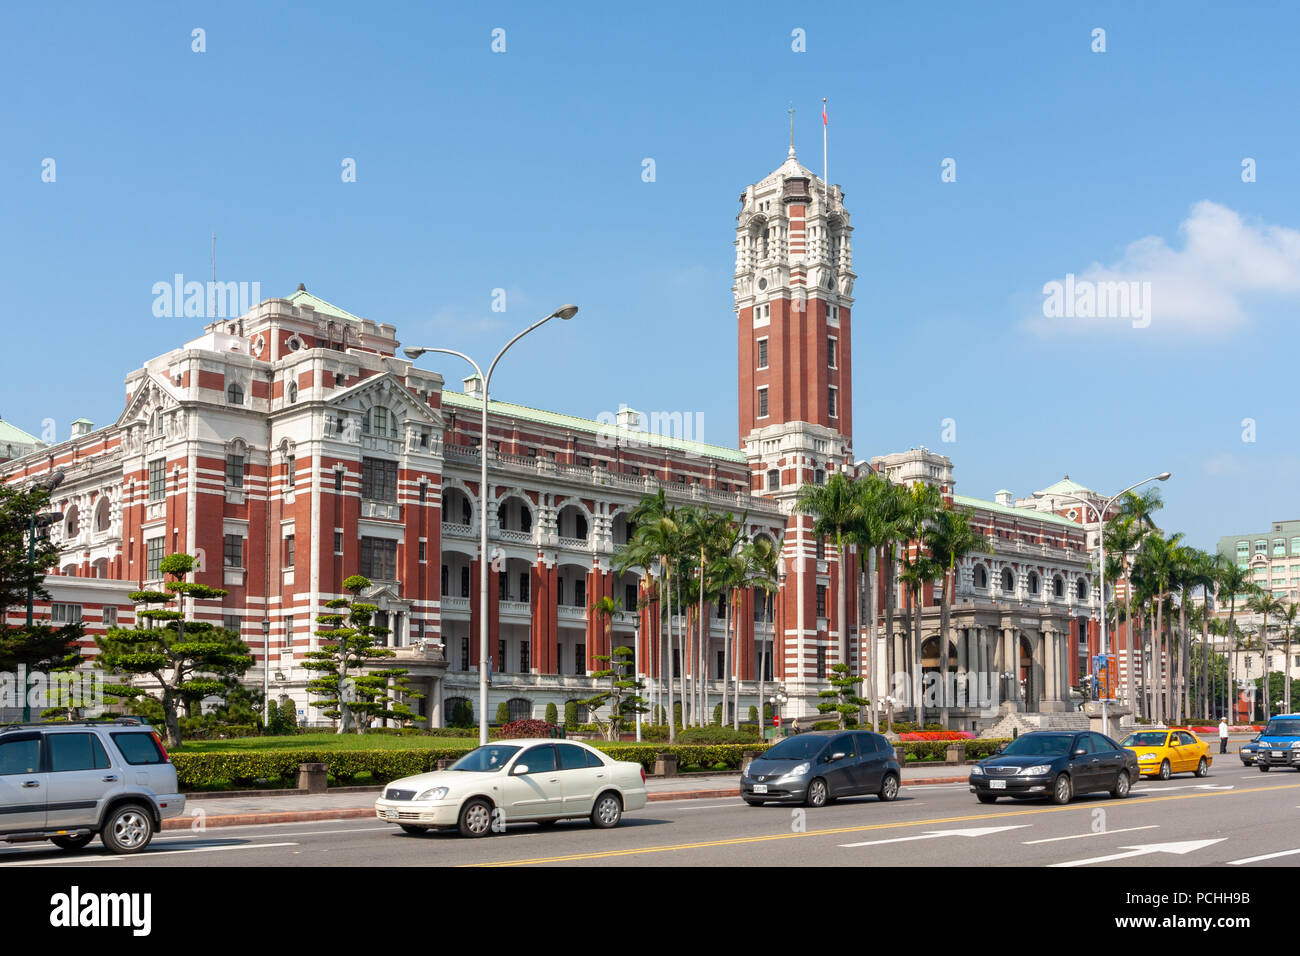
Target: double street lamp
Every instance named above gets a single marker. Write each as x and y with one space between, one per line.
1101 577
414 352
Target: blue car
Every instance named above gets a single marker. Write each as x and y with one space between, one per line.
1279 743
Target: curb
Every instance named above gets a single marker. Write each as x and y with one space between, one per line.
357 813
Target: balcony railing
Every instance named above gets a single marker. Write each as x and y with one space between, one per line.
384 510
452 529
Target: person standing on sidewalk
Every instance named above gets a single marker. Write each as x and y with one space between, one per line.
1223 735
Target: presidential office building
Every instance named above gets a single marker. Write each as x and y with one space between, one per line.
293 447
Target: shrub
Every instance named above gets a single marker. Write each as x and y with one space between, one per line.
571 715
715 735
503 713
937 735
677 714
526 728
462 714
552 715
273 719
753 714
717 715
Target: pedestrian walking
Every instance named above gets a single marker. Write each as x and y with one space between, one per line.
1223 735
794 727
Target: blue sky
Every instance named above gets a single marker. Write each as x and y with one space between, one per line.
522 170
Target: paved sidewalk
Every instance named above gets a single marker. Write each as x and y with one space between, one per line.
290 807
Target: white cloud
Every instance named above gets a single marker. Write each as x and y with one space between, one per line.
1200 287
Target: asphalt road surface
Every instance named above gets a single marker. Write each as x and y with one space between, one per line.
1236 817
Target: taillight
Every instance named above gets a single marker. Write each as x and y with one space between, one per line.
158 740
643 774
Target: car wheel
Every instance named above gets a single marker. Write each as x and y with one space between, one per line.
889 788
72 842
476 818
1264 768
754 803
817 793
413 829
1165 772
607 811
128 829
1062 789
1121 788
1203 768
986 798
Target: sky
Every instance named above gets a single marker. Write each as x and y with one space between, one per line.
986 151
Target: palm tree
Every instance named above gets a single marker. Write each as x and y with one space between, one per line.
951 538
872 531
1122 538
1232 580
1160 560
1265 603
832 506
921 508
1288 618
763 563
1138 509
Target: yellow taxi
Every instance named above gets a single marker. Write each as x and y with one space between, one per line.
1163 753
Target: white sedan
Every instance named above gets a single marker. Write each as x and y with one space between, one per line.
516 781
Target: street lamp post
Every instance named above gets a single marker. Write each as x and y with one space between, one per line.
413 352
636 667
266 673
1101 576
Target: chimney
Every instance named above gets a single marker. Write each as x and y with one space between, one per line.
81 427
628 418
1003 498
474 386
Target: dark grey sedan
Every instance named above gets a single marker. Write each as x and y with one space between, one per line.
819 767
1055 765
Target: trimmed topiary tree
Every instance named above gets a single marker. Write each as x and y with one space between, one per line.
503 713
753 714
717 715
842 700
551 713
570 715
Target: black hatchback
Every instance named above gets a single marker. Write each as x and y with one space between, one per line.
1055 765
816 768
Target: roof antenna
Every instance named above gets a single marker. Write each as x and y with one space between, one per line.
791 112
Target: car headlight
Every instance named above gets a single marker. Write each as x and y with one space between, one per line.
1295 745
1036 771
437 793
800 770
977 770
1148 757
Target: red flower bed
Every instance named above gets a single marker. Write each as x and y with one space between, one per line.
526 728
937 735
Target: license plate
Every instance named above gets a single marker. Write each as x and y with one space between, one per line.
760 788
390 813
1279 753
997 785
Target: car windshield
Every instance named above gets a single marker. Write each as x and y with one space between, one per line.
796 748
487 759
1147 739
1282 728
1039 745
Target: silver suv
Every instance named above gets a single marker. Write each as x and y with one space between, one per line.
65 782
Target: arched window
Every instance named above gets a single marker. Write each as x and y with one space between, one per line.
774 480
1081 589
71 522
155 423
1058 586
103 514
1033 582
981 576
457 712
235 394
521 708
1008 580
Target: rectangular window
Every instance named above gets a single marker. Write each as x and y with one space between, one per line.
290 473
288 631
762 402
524 662
378 479
523 586
338 480
762 353
157 487
464 653
65 613
230 622
379 559
721 668
821 600
501 656
579 658
424 492
832 401
288 552
464 581
830 352
423 546
503 586
1279 547
821 663
338 542
110 616
72 752
153 555
580 592
234 471
629 597
234 551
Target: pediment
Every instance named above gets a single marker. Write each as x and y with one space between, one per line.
386 390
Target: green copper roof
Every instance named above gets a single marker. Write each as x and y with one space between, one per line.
1024 514
302 297
12 434
1067 487
590 425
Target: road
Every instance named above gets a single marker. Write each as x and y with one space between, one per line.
1234 818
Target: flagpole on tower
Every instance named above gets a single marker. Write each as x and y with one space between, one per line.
826 183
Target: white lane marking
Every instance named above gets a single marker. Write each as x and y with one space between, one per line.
712 806
1076 836
212 835
86 861
1266 856
1181 849
935 834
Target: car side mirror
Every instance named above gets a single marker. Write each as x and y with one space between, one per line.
519 768
1079 753
838 756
